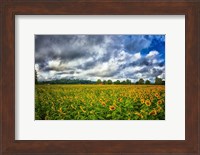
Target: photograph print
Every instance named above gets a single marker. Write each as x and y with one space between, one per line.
100 77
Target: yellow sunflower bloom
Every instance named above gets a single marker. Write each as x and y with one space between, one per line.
103 103
159 102
159 109
148 102
153 112
140 115
142 101
112 107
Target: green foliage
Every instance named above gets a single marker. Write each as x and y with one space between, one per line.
104 82
98 81
128 81
158 81
141 81
109 82
99 102
117 82
68 81
36 78
147 82
123 82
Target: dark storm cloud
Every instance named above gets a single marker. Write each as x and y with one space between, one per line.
53 68
143 70
99 56
45 41
64 51
157 72
87 65
146 62
73 54
141 62
106 74
95 39
65 72
68 47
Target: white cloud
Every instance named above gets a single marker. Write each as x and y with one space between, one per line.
137 56
152 54
159 68
56 65
154 61
37 67
53 63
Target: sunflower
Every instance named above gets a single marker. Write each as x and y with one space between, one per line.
159 109
138 114
142 101
112 107
103 103
148 102
159 102
120 99
60 111
153 112
135 99
159 97
156 94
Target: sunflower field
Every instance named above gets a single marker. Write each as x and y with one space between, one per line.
99 102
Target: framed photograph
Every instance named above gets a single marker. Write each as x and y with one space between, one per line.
94 77
100 77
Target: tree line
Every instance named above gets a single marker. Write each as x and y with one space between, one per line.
158 81
67 81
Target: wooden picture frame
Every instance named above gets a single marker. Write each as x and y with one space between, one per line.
10 8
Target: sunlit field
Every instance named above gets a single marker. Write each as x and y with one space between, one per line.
100 102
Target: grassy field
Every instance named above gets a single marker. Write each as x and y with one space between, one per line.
99 102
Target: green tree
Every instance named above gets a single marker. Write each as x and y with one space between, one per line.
104 82
141 81
109 81
128 81
117 82
123 82
98 81
158 81
36 78
147 82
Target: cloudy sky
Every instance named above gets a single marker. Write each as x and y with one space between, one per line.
92 57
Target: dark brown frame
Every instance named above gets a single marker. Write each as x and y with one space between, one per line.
10 8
